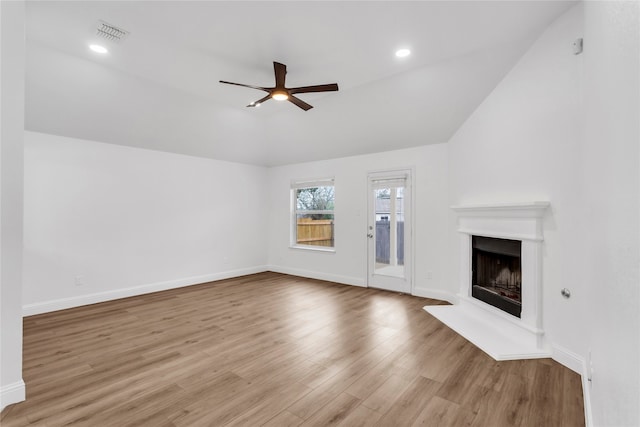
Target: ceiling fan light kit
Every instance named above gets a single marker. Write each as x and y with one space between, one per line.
281 93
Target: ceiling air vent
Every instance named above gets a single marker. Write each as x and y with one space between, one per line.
111 32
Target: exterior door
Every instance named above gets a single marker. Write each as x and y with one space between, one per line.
389 231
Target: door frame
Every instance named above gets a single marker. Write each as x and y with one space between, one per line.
408 173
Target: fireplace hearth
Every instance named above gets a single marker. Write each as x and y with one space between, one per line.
499 303
497 273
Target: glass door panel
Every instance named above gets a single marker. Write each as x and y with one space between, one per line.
389 231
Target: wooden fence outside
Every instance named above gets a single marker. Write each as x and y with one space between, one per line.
315 232
383 242
319 232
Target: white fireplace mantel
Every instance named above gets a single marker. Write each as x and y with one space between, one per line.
518 221
501 335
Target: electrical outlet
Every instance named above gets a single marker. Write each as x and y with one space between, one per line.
429 275
577 46
79 280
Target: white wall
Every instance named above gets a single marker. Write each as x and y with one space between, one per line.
123 221
611 179
12 18
524 144
349 262
564 128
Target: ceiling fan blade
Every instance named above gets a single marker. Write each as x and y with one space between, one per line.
317 88
260 101
249 86
300 103
280 71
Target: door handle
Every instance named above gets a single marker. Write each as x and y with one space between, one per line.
370 235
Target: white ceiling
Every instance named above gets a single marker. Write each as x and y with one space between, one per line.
159 88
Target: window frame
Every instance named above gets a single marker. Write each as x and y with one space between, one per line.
294 212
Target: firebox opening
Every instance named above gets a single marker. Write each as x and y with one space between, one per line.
497 273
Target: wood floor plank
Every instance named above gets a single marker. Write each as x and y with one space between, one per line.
361 416
439 412
572 403
545 406
384 396
410 403
508 408
271 406
276 350
471 367
284 419
379 374
334 412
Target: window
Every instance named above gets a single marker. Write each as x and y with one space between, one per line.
313 218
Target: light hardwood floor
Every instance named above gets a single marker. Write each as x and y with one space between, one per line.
276 350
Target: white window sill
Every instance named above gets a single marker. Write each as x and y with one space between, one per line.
314 248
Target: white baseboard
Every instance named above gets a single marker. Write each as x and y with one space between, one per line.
76 301
345 280
435 294
568 358
586 395
12 393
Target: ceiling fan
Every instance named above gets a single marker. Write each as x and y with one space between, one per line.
282 93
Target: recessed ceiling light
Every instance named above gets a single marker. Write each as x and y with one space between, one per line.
401 53
97 48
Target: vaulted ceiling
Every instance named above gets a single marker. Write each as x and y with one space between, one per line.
158 88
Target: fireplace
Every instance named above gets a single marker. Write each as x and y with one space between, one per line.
496 273
499 303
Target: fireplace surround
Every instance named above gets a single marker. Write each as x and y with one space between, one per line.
501 334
